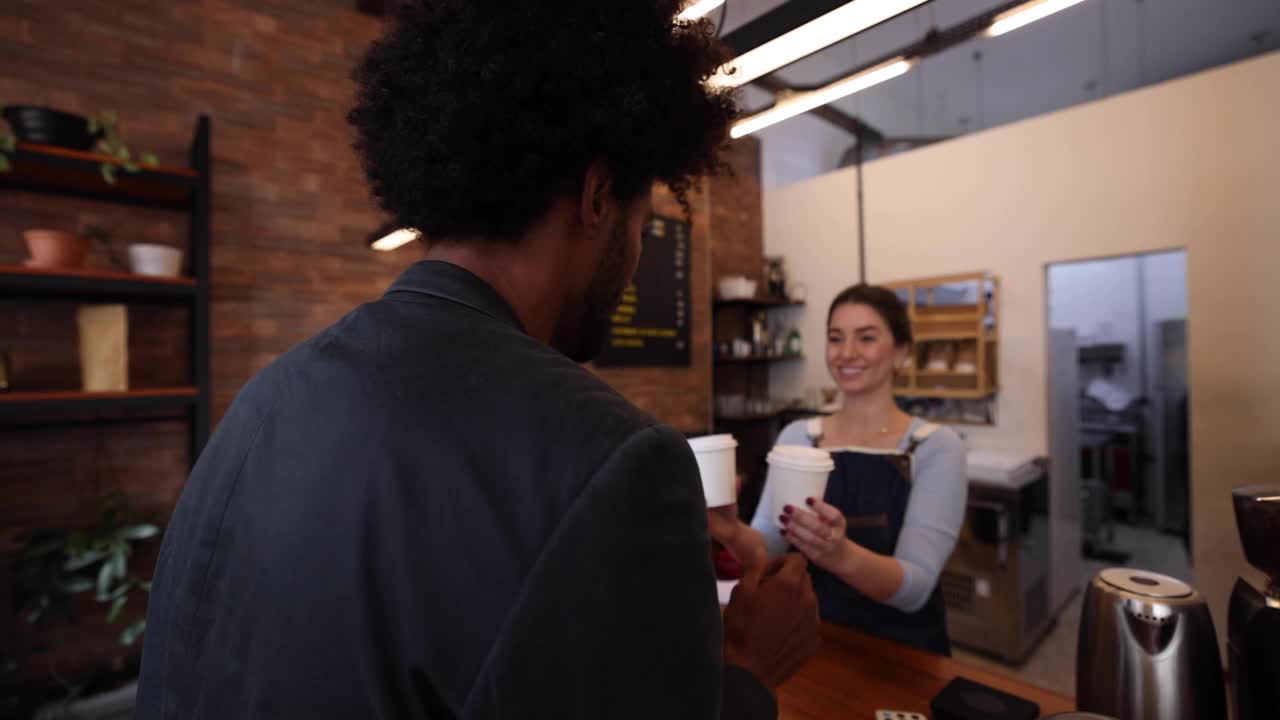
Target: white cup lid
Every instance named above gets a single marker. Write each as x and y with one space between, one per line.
799 457
712 443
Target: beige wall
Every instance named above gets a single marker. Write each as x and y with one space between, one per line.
1193 163
816 230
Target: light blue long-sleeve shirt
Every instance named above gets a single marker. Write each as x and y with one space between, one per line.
935 511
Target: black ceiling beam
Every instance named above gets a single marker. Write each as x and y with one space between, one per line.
932 43
781 20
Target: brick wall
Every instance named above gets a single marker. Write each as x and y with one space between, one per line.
290 218
727 239
736 207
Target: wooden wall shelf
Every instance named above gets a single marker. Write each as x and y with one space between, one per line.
758 303
82 284
19 405
59 171
75 174
935 322
944 374
756 359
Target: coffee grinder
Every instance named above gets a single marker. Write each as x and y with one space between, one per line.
1253 622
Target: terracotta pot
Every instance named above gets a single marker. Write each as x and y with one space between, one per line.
54 248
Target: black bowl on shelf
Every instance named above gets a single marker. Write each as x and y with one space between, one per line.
47 126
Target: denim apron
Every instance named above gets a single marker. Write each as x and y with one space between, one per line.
871 489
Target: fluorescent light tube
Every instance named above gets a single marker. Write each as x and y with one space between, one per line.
699 8
793 105
1027 14
844 21
395 239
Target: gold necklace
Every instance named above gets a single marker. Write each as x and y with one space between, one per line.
884 430
865 438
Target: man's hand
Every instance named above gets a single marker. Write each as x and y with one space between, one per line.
746 545
771 626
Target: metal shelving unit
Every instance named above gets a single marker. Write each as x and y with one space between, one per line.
756 359
757 303
69 173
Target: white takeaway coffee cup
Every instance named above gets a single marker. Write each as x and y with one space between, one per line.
797 473
716 465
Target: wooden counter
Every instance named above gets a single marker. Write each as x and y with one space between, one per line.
853 675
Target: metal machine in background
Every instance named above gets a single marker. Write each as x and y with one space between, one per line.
1253 622
996 583
1171 495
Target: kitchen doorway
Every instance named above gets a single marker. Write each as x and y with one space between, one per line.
1128 317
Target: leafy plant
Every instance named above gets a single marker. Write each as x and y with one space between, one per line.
111 143
101 237
54 565
7 144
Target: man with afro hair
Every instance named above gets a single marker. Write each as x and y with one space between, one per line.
431 509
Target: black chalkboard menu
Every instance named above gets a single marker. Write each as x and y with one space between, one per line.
651 325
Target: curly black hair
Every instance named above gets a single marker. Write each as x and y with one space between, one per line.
472 116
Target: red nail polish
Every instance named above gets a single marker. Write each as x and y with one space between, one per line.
784 519
809 501
787 509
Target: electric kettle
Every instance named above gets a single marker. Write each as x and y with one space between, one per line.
1147 650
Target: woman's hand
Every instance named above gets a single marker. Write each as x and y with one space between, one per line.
819 534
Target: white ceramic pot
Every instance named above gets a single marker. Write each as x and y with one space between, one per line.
736 287
149 259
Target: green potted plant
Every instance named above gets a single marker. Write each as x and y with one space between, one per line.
106 125
47 126
101 237
100 133
54 570
7 144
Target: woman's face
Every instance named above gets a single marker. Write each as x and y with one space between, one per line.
861 354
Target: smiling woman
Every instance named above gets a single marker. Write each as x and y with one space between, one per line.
895 500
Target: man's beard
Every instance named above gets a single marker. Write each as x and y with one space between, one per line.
582 332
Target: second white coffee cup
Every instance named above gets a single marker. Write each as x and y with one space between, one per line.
797 473
717 466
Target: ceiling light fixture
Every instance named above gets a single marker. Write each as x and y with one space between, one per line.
394 239
698 8
803 102
844 21
1027 14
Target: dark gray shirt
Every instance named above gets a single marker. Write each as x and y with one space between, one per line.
423 512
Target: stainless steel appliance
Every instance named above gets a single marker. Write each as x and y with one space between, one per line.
1147 650
1169 431
996 582
1253 623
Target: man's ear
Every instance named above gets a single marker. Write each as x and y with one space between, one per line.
597 196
